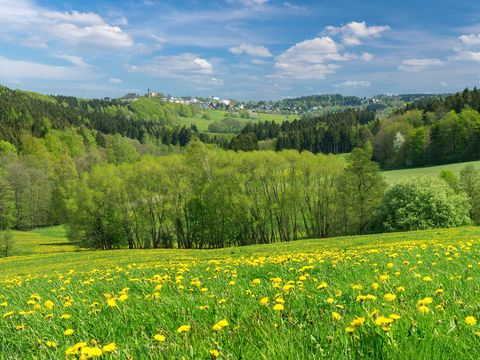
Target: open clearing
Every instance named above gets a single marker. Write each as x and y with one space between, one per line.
399 295
394 176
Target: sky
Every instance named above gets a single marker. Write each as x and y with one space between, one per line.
239 49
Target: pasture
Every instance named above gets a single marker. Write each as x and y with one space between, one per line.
389 296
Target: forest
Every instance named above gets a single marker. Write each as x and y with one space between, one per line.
118 174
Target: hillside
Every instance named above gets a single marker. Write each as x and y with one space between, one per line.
352 295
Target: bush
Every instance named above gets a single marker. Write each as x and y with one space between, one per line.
423 203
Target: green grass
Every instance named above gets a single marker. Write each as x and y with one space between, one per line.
41 241
394 176
219 115
318 282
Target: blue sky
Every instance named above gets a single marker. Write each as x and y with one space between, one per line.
241 49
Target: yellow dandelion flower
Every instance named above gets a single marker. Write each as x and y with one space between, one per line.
389 297
184 329
160 337
470 320
109 348
68 332
278 307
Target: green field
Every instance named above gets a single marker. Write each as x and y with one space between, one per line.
387 296
219 115
41 241
394 176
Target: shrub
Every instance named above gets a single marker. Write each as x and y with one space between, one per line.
423 203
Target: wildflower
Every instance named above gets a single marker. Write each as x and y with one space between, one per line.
214 353
336 316
427 278
109 348
470 320
220 325
111 303
382 320
160 337
68 332
278 307
322 285
183 329
375 286
264 301
51 344
389 297
49 305
358 321
349 330
330 300
256 281
423 309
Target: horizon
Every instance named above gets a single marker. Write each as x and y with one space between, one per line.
239 49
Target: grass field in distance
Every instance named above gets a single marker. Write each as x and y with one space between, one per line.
399 295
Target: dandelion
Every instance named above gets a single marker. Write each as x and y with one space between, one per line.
423 309
214 353
160 337
336 316
220 325
470 320
109 348
278 307
184 329
68 332
389 297
322 285
264 301
51 344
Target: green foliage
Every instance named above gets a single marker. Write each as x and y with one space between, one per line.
423 203
7 244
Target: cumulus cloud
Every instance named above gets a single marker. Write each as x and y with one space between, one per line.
308 59
248 2
416 65
251 50
466 55
469 40
175 66
18 69
75 60
40 26
353 84
97 36
76 17
115 81
354 32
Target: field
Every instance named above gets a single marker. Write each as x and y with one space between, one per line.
219 115
388 296
41 241
393 176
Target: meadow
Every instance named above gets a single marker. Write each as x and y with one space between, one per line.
388 296
219 115
394 176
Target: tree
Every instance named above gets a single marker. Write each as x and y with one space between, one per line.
364 186
470 184
7 243
423 203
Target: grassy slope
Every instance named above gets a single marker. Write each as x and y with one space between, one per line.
67 258
42 241
218 115
164 289
393 176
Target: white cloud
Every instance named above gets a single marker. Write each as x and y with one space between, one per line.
252 50
115 81
258 61
98 37
416 65
467 55
293 6
17 12
18 69
354 32
248 2
353 84
469 40
308 59
175 66
75 60
366 56
75 17
35 42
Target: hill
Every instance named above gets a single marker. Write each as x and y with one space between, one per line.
389 296
393 176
